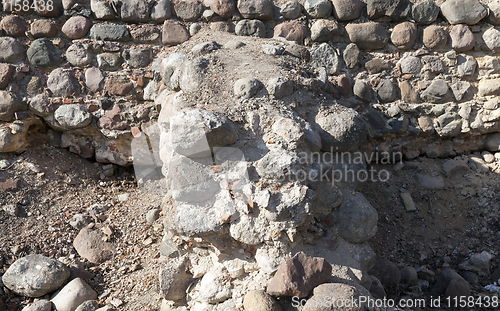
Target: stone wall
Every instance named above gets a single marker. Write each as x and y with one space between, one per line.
89 69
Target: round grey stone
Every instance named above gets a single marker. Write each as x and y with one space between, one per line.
410 65
254 28
12 50
246 87
42 53
324 56
362 91
387 91
35 276
425 12
368 36
291 10
318 8
72 116
77 55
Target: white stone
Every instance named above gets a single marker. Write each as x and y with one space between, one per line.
72 295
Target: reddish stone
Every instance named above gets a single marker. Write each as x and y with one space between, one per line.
174 33
113 119
435 37
90 245
136 132
462 39
13 26
6 71
224 8
10 184
292 31
43 28
299 275
345 87
76 27
120 87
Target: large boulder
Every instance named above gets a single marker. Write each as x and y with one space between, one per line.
368 36
341 129
35 276
10 103
356 218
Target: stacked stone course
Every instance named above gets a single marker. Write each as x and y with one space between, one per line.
437 73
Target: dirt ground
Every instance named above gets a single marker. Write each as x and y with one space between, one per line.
449 223
66 185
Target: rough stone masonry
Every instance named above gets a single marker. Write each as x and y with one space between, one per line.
235 99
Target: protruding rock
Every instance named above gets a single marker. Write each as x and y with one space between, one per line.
299 275
77 55
6 71
324 30
259 300
160 11
387 91
318 8
175 278
352 56
425 12
13 26
71 116
404 35
362 91
63 83
109 32
135 11
342 129
435 37
394 9
9 104
356 218
494 14
188 10
368 36
491 38
174 33
254 28
76 27
462 38
280 87
347 10
437 92
42 53
256 9
246 87
43 28
410 65
291 10
90 245
463 11
341 292
408 93
72 295
323 55
292 31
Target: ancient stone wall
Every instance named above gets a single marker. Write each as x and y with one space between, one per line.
89 69
234 100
